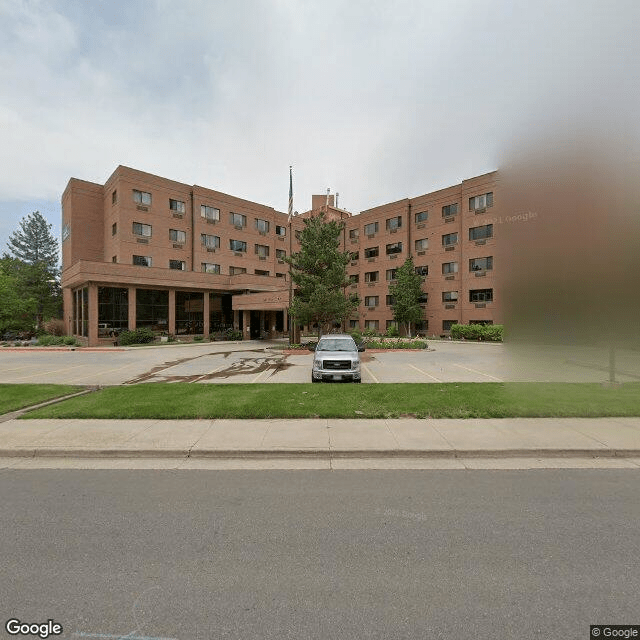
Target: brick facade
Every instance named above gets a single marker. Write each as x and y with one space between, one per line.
144 250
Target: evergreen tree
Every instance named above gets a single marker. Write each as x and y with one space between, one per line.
407 291
34 243
319 272
38 290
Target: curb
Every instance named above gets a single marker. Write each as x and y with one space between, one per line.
256 454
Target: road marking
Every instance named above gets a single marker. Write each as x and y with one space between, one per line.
364 366
204 375
478 372
259 375
47 373
425 373
103 373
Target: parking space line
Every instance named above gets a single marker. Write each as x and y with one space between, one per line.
478 372
425 373
364 366
259 375
204 375
47 373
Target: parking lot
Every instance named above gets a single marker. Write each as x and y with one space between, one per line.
262 362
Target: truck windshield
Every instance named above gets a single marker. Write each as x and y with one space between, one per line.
336 344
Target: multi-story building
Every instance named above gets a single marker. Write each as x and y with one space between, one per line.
142 250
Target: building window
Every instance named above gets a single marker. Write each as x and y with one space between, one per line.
421 245
262 225
178 265
371 276
482 232
114 228
370 229
391 300
281 254
353 234
394 223
239 220
481 264
260 272
449 296
262 250
177 236
298 235
449 210
391 274
424 298
353 324
238 245
210 242
354 256
142 261
422 271
281 275
371 252
207 267
176 205
396 247
209 213
449 239
481 202
449 267
140 229
422 216
114 259
236 271
141 197
281 231
114 197
374 325
481 295
447 324
354 278
371 301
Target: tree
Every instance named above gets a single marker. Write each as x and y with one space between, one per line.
406 293
319 271
34 243
37 290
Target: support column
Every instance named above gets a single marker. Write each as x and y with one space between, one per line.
67 314
92 317
172 312
236 319
205 313
131 308
247 324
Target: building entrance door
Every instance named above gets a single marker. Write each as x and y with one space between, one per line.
255 327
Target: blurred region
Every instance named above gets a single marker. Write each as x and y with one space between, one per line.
569 250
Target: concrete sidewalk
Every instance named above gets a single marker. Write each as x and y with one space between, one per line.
336 443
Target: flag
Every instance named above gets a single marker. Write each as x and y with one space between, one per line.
290 195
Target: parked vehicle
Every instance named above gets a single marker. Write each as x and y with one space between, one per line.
337 357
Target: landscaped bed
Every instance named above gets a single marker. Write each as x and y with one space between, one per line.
451 400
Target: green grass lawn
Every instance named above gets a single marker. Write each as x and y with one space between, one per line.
451 400
18 396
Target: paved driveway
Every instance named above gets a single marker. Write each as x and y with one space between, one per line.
254 361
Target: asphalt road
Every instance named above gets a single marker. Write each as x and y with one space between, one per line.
355 554
252 362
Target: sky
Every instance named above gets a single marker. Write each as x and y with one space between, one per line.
377 100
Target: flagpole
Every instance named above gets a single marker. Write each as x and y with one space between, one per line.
291 332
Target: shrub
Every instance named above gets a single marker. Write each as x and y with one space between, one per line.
69 340
356 334
491 332
198 338
47 340
54 327
233 334
143 335
392 331
397 344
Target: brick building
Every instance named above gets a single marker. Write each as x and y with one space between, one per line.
142 250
